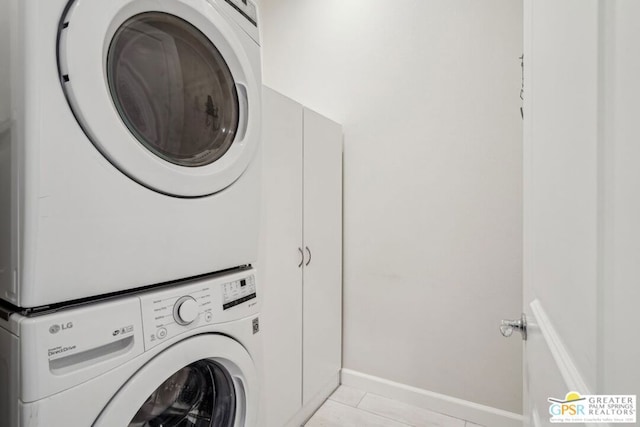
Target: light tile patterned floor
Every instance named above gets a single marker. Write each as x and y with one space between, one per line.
350 407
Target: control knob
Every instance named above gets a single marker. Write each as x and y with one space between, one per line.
185 310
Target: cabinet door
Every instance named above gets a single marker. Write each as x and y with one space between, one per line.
322 278
281 236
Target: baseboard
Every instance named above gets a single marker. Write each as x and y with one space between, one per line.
458 408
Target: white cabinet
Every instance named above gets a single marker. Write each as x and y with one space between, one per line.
301 259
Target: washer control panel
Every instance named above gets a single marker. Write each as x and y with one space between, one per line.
186 310
174 310
246 8
237 292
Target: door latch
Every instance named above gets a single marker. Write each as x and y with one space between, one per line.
507 327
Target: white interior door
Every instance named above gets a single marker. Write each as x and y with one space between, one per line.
322 299
280 264
561 200
581 250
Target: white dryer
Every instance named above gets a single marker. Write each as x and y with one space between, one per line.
186 356
129 133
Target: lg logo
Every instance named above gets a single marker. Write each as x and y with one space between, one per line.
54 329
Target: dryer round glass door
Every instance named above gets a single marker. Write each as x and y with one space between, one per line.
207 380
173 89
168 91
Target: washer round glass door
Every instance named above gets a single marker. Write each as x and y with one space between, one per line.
199 395
185 386
168 91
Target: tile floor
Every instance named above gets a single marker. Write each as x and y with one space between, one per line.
350 407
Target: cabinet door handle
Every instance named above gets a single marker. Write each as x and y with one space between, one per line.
301 257
309 251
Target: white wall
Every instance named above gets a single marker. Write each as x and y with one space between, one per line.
427 92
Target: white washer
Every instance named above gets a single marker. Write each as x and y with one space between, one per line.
129 133
190 352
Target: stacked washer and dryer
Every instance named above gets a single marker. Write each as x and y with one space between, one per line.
129 213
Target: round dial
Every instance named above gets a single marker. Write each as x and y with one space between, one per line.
185 311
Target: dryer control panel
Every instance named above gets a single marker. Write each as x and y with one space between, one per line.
174 310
